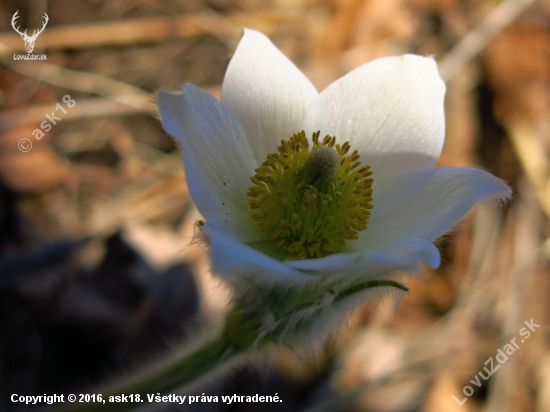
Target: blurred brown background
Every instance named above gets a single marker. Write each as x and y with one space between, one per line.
96 277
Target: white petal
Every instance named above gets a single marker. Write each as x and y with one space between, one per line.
233 259
405 255
390 110
216 156
266 92
444 197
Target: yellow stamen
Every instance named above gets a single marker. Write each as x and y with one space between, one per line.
310 202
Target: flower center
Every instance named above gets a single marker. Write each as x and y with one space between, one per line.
311 201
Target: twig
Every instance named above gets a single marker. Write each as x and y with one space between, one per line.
479 37
83 109
82 81
532 155
121 98
143 30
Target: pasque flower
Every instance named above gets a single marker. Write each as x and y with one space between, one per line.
312 199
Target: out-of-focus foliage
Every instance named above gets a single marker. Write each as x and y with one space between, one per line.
95 273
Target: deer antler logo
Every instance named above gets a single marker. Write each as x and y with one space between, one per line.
29 40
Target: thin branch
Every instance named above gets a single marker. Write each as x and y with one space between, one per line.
83 109
534 161
479 37
82 81
143 30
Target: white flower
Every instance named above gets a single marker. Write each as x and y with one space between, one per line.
389 110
